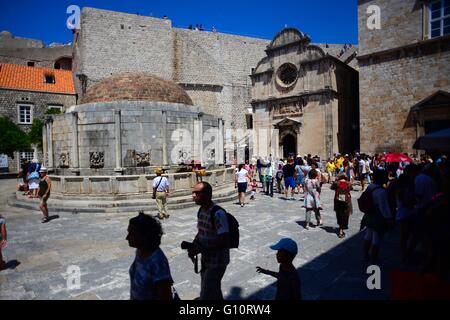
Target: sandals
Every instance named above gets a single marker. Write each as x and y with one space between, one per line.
45 220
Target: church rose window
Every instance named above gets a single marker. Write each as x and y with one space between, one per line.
287 75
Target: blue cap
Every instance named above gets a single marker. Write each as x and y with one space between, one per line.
286 244
440 161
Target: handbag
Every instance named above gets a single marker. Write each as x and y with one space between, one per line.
154 189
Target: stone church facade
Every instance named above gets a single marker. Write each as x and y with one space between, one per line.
304 100
404 73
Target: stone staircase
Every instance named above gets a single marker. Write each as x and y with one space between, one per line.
57 204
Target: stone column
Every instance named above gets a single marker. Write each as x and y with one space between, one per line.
164 139
50 143
75 150
118 141
199 138
220 144
44 145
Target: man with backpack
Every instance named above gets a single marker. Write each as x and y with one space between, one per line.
378 217
217 233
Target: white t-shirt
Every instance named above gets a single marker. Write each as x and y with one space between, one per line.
163 186
242 176
362 166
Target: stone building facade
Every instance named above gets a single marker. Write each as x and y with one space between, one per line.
31 52
24 96
402 64
309 96
213 68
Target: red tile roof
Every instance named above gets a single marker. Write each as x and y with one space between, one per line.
13 76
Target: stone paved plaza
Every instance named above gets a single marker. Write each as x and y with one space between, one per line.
330 268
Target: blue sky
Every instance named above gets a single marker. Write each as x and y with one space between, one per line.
326 21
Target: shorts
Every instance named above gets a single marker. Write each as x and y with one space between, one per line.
300 181
289 182
363 176
242 187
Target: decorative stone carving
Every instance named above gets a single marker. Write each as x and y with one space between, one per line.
210 154
64 160
97 159
184 156
142 159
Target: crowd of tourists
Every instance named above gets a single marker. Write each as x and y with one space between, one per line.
410 192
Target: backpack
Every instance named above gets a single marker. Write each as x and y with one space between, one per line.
342 192
365 202
233 225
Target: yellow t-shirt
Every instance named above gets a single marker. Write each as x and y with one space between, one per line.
330 166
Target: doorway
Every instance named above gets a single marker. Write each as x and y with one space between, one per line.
289 146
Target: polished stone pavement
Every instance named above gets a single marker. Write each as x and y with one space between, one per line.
330 268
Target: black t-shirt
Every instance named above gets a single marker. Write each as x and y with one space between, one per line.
288 285
288 170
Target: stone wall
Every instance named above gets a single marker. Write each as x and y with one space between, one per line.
40 101
141 131
388 90
41 57
392 82
401 24
9 99
113 42
7 40
212 67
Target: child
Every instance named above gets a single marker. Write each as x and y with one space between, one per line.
150 273
288 285
3 238
254 186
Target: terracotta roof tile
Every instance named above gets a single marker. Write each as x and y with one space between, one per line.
14 76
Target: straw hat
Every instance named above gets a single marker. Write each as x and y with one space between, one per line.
159 171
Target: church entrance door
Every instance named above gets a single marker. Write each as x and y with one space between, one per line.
289 146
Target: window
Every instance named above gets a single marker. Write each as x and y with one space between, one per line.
439 18
287 75
54 109
30 64
28 155
49 78
25 112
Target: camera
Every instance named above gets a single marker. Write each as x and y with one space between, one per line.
187 245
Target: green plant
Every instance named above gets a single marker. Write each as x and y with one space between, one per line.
12 138
35 134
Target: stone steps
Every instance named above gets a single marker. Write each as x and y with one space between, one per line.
119 206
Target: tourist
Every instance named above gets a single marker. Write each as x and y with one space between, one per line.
288 284
269 179
289 181
150 272
405 201
259 166
212 241
312 199
342 203
300 176
24 174
3 241
279 177
161 190
241 183
254 187
362 171
379 219
33 178
45 187
330 169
